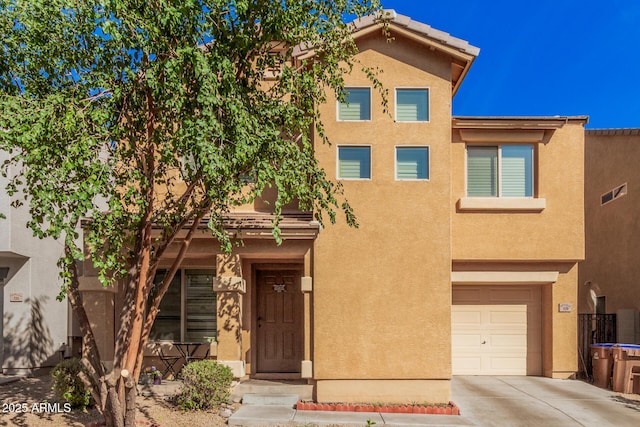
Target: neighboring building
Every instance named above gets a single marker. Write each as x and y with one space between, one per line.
34 324
610 275
465 261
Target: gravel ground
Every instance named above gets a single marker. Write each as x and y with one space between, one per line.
23 394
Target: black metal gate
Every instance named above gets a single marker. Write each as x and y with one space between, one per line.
593 328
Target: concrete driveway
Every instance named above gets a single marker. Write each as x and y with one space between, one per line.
535 401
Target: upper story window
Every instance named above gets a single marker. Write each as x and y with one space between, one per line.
273 65
500 171
412 163
412 105
354 162
357 105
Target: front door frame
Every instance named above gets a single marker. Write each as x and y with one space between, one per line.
292 265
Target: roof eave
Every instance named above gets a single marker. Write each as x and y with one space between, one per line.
459 50
456 84
515 122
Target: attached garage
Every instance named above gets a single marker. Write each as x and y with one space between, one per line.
496 330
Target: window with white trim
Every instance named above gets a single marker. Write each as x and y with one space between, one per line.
356 105
412 163
412 105
500 171
354 162
188 310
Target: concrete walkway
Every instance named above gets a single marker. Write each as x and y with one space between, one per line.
485 402
254 415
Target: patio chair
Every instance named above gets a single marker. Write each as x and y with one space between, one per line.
169 362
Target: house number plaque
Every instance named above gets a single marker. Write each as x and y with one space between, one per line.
279 287
564 307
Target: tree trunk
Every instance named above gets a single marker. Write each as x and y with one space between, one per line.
130 400
113 414
103 388
155 303
90 354
141 293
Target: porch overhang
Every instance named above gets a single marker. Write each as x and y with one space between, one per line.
256 225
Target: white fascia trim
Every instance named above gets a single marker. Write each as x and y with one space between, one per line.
503 277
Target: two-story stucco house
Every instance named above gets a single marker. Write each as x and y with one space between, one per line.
465 261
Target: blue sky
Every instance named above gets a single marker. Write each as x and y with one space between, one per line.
544 57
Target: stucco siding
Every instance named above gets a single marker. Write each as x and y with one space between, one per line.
611 268
34 323
564 325
383 290
555 233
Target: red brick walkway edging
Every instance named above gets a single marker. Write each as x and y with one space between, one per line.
449 409
138 423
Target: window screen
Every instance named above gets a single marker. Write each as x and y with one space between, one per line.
354 162
357 105
482 171
200 300
412 105
167 324
517 171
505 171
412 163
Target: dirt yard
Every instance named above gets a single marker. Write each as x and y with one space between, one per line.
30 403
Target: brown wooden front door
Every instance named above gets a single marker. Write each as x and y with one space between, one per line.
279 321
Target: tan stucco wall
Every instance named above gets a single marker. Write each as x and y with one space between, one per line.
564 326
556 233
388 391
382 292
99 304
612 264
501 240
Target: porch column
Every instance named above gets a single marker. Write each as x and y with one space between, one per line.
229 287
306 287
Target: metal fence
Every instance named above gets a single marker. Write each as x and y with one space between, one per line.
593 328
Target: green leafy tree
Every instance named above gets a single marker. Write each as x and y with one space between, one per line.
137 120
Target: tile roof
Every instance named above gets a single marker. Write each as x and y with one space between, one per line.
611 132
417 27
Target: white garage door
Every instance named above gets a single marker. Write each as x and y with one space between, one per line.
496 330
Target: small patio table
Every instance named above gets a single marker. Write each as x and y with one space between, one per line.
188 350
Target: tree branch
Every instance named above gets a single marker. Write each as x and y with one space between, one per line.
155 303
168 238
90 353
144 275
